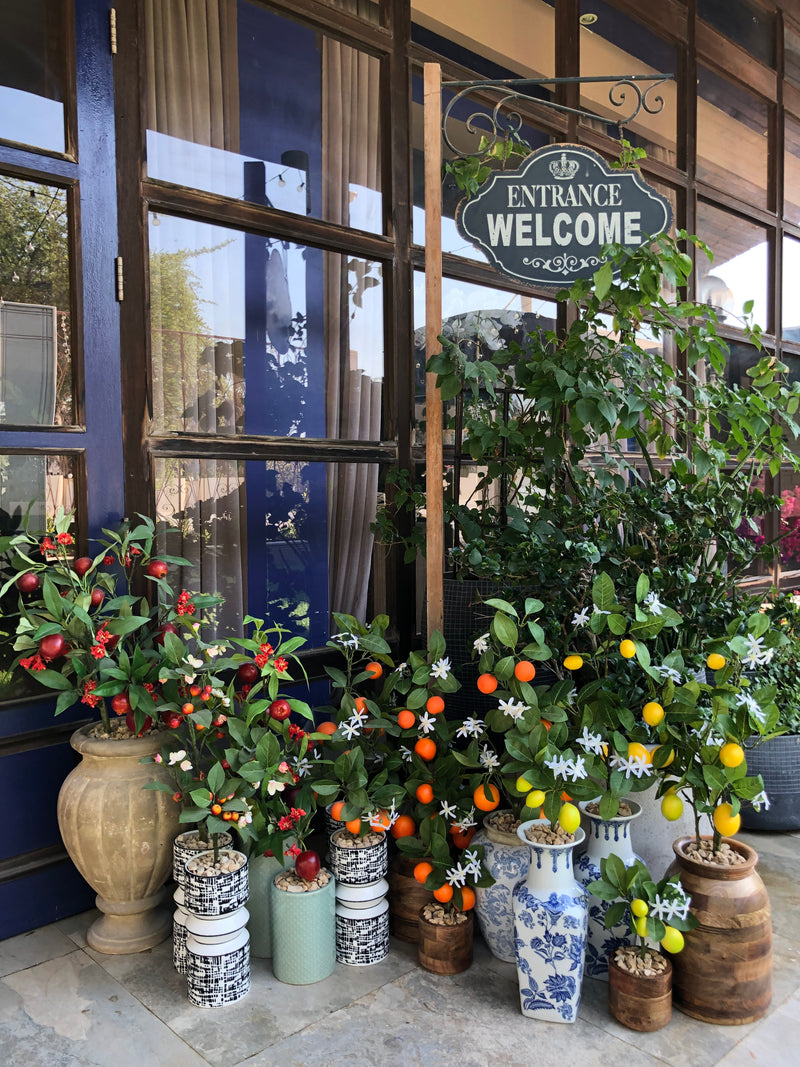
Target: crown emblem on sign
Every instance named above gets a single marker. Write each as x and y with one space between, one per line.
564 168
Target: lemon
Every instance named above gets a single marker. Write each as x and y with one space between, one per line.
726 823
731 754
652 713
535 798
639 908
672 939
573 663
523 785
671 757
639 752
569 818
627 648
671 807
640 926
715 662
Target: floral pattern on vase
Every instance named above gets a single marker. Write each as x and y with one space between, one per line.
507 859
603 838
550 921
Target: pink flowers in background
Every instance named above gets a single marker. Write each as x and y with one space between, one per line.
790 525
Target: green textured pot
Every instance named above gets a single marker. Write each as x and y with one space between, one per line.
262 871
303 934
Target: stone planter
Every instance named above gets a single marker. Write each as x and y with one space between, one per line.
119 835
507 859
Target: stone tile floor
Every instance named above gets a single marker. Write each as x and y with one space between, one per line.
64 1005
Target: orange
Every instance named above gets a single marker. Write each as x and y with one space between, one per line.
361 704
444 893
425 748
434 705
715 662
326 728
354 826
565 796
462 838
524 671
486 797
467 898
336 810
403 826
422 870
374 669
487 683
379 821
425 793
406 719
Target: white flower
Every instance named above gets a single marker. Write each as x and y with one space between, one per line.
186 765
348 640
480 644
512 708
669 672
756 655
401 668
677 906
351 727
301 767
654 604
575 769
359 713
447 811
599 611
590 742
759 800
426 722
214 650
188 678
406 753
472 865
274 787
456 876
470 727
558 765
468 820
176 757
580 618
193 661
488 758
441 668
747 700
631 766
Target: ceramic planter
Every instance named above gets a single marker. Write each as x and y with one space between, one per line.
778 763
220 893
119 835
507 859
218 959
262 870
362 933
550 921
188 845
640 1002
445 949
180 959
724 973
303 934
357 866
604 837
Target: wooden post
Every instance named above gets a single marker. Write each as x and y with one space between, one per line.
434 521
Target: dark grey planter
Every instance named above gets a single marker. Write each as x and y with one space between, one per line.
778 763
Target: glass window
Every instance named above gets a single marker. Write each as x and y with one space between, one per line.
744 22
251 105
791 53
791 289
791 163
260 336
738 272
616 44
35 331
32 73
732 137
305 527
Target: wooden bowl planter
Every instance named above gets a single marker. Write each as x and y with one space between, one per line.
444 949
724 973
639 1001
406 898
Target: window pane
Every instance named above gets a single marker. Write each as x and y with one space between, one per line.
615 44
44 483
259 336
791 163
305 527
791 54
32 74
253 106
739 270
791 287
35 333
790 523
732 137
745 23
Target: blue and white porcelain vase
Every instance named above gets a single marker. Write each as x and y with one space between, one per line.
550 919
604 837
507 860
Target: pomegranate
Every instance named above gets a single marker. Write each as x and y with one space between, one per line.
52 646
307 865
28 582
280 709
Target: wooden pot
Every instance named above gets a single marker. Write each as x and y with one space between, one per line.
406 898
638 1001
724 973
445 949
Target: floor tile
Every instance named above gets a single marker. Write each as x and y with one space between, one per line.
774 1042
69 1012
37 946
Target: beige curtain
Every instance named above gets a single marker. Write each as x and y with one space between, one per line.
192 87
351 157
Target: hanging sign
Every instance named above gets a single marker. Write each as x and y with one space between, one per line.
546 222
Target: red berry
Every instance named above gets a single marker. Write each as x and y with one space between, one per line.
307 865
171 719
157 568
280 709
81 565
225 765
28 583
248 673
52 646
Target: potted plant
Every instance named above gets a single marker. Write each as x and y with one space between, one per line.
84 635
640 977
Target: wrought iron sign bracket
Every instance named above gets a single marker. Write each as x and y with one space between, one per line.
643 87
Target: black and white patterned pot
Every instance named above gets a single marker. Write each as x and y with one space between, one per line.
186 846
357 866
218 955
180 915
219 893
362 934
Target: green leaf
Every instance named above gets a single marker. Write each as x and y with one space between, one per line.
215 778
603 280
54 680
603 592
504 629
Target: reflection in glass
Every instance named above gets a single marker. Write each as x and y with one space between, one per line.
791 287
744 22
43 483
791 163
305 527
739 270
32 75
247 104
35 334
732 137
260 336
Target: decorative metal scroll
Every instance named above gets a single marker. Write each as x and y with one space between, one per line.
643 88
